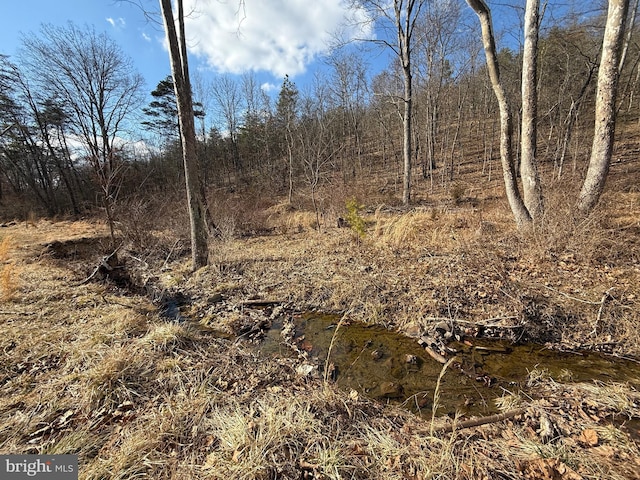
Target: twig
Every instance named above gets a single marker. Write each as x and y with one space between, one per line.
484 323
104 263
606 296
261 303
4 312
572 298
476 422
166 260
435 355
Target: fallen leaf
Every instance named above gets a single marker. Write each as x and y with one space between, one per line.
589 437
548 469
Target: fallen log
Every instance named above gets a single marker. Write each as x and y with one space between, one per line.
476 422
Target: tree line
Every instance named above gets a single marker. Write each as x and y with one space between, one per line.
71 103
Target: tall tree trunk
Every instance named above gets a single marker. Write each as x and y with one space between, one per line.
627 40
520 212
406 125
603 137
405 22
531 187
182 84
430 162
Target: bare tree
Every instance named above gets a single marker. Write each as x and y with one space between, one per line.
182 84
602 147
531 187
88 74
439 41
286 117
348 92
516 203
227 95
608 76
401 17
317 145
253 137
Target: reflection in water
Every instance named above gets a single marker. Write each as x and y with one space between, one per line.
391 367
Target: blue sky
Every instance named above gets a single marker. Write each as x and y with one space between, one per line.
268 37
25 17
223 39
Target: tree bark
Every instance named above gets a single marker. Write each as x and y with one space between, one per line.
406 125
405 30
182 84
520 212
531 187
603 137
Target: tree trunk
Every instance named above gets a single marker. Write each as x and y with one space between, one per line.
603 137
406 125
531 188
404 25
182 84
518 208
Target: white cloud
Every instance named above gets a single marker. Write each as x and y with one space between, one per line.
116 22
277 36
268 87
146 37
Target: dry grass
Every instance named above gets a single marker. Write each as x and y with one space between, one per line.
95 370
8 271
5 246
8 282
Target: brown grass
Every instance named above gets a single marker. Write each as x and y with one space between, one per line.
8 272
5 246
92 369
8 282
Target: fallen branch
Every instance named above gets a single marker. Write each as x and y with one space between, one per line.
166 260
575 299
103 265
605 297
261 303
476 422
435 355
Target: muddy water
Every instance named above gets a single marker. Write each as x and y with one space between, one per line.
394 368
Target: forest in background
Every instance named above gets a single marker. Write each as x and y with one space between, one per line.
71 99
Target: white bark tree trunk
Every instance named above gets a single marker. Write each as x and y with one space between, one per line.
531 187
520 212
405 23
603 136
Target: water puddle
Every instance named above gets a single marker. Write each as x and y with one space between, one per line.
390 367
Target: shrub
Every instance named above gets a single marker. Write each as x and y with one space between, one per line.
354 219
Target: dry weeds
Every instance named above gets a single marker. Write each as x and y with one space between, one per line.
95 370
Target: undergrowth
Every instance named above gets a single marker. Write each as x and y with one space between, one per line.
8 272
93 369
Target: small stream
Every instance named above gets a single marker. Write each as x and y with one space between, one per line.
390 367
